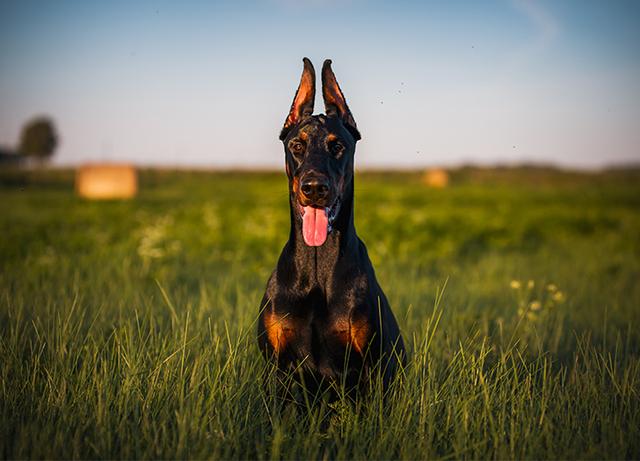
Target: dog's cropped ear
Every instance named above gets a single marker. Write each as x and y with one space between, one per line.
334 102
302 105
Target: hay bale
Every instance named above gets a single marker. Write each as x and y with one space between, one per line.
437 178
106 181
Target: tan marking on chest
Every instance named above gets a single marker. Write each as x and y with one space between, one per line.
354 332
279 330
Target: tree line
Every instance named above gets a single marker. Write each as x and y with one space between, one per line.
38 141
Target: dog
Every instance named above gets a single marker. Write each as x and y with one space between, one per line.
323 314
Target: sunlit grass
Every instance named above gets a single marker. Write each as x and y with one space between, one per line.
127 329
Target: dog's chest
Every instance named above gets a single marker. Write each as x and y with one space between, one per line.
320 340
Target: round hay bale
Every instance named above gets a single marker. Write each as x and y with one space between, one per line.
106 181
437 178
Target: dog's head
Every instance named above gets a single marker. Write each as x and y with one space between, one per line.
319 153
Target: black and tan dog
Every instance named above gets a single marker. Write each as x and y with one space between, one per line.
323 312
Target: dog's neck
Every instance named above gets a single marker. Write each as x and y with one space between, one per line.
315 265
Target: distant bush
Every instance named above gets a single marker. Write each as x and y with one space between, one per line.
38 139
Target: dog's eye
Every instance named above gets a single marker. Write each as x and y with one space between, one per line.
336 148
296 148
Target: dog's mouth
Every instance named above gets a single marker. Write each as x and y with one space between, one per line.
317 222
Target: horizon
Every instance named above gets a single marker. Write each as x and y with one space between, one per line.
401 169
430 85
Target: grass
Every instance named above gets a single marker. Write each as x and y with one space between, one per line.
127 328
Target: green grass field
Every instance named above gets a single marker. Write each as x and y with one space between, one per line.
127 328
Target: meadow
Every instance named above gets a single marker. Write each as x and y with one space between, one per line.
127 328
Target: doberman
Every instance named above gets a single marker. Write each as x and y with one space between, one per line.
323 313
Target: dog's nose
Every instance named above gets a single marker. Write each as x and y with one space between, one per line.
315 189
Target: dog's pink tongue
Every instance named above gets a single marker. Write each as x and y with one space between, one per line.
314 226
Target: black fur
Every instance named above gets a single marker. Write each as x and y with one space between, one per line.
323 311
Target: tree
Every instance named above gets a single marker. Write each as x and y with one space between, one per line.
38 139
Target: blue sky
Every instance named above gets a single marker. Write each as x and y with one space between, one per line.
429 83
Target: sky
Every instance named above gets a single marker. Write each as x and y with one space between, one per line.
209 84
